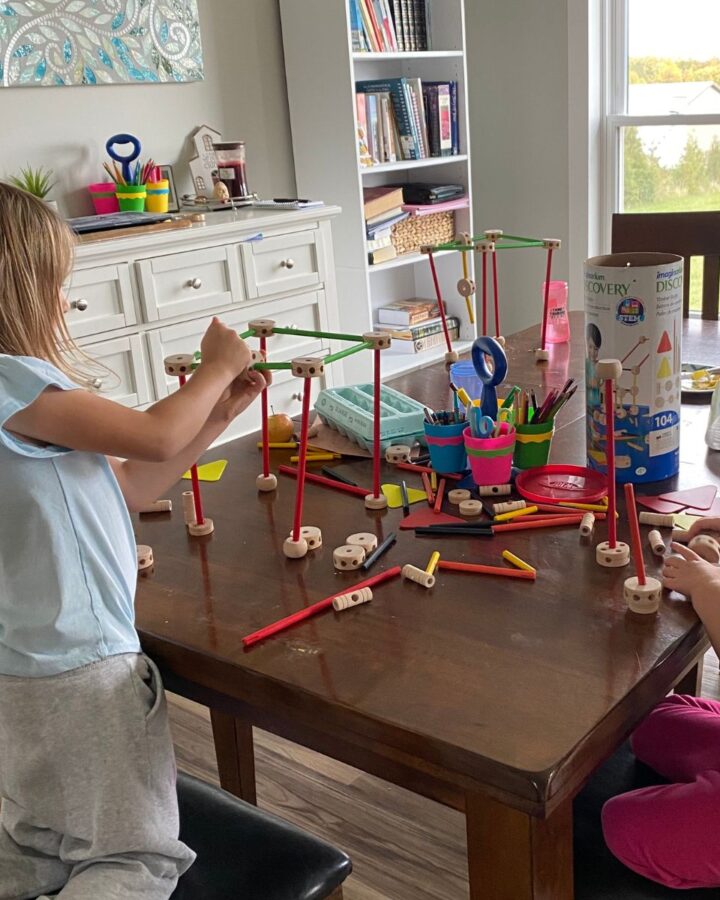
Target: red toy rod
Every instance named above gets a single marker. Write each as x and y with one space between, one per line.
441 305
376 425
546 304
316 608
325 482
635 533
439 497
485 570
409 467
264 408
302 462
195 481
550 522
610 454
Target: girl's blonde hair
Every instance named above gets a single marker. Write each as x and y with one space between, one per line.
36 257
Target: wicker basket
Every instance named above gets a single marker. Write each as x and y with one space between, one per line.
415 232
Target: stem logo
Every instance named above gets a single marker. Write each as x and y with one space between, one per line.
630 311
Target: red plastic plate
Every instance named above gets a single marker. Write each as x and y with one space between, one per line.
551 484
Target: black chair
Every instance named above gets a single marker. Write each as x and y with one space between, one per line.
248 854
598 875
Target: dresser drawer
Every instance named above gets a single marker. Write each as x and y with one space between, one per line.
283 264
302 312
128 381
101 299
191 282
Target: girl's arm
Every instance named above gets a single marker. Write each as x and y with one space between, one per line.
699 580
143 482
84 421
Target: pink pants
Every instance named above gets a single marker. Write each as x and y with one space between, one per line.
671 833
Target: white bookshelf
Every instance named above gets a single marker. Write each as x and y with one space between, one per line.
321 71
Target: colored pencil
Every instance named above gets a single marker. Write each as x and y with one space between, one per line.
301 615
336 476
379 550
428 489
552 522
439 497
405 501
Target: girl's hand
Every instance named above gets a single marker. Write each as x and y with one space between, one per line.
691 575
222 347
239 395
703 525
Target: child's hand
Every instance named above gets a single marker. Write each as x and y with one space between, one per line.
688 574
702 526
239 395
221 346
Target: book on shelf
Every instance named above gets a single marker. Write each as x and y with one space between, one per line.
372 230
386 216
430 342
407 118
382 254
378 200
415 332
388 26
382 241
407 312
427 209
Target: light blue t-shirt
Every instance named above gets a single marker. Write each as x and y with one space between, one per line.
68 564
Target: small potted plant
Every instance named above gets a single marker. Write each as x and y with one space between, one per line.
35 181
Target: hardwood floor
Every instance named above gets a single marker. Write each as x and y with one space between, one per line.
403 847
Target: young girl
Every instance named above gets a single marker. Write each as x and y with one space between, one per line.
671 833
87 773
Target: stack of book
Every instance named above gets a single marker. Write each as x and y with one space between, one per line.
407 118
415 325
383 207
389 26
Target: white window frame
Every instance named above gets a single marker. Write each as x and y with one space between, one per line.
617 116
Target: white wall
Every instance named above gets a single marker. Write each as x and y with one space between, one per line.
518 95
243 95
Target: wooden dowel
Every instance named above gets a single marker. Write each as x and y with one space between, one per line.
309 611
486 570
439 497
428 489
326 482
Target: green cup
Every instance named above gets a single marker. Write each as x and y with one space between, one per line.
532 445
131 197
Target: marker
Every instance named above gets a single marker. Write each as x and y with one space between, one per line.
405 501
336 476
315 457
432 564
378 551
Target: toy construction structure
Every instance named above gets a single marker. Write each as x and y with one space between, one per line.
488 244
302 538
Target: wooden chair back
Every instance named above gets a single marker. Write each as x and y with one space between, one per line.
687 234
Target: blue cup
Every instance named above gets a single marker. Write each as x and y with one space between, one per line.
447 447
463 375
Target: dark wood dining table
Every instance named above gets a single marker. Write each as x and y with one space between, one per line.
494 696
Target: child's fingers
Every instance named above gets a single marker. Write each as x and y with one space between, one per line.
684 551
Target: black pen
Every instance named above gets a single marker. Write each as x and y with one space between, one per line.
405 500
378 552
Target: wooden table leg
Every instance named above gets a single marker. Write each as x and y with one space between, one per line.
235 754
691 683
515 856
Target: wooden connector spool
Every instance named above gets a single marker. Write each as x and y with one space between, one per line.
706 547
364 539
353 598
470 508
396 453
419 576
587 524
657 544
348 556
642 598
494 490
458 495
508 506
311 535
145 557
657 519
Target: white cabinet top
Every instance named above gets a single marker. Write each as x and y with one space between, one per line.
218 227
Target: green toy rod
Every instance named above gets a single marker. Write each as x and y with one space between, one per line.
330 335
341 354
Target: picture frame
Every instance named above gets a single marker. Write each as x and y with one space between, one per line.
173 203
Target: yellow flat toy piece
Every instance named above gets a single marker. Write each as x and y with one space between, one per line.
211 471
683 520
394 495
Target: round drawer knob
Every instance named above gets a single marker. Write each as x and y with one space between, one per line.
287 263
80 305
297 395
195 284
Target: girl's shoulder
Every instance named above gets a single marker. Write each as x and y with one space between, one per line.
17 372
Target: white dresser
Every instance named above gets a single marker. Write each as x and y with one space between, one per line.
135 300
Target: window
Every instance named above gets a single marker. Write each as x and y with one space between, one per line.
663 126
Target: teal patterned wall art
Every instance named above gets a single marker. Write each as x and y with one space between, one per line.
71 42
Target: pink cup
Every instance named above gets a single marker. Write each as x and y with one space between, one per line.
490 458
103 197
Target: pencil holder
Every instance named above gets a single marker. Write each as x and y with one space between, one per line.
103 197
532 447
446 446
131 197
490 458
158 196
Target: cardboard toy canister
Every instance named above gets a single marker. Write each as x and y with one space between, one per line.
633 312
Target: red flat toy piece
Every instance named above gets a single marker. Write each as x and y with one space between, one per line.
659 506
421 518
699 498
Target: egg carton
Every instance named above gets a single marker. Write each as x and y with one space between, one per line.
349 410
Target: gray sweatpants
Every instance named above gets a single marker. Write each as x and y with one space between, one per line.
87 780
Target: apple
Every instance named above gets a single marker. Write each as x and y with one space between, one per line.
280 428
